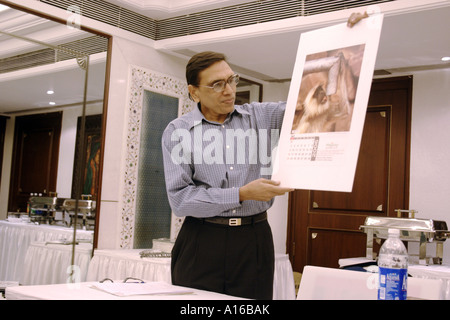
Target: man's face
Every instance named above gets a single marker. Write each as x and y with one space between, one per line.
215 105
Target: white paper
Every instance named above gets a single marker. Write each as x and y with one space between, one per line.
326 107
148 288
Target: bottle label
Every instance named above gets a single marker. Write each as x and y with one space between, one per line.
392 284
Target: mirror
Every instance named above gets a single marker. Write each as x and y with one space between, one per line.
248 91
52 102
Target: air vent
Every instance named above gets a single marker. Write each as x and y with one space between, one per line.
111 14
28 60
136 23
253 12
89 45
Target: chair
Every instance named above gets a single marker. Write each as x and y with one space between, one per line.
319 283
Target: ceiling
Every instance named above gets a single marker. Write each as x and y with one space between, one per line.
414 36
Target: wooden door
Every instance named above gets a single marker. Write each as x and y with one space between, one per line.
324 226
35 158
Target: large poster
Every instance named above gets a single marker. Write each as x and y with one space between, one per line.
326 107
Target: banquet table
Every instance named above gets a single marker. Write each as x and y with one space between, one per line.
123 263
47 263
15 239
433 272
440 272
120 264
85 291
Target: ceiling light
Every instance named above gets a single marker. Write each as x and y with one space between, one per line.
50 92
445 59
52 103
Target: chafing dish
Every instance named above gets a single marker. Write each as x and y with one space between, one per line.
411 230
43 209
86 212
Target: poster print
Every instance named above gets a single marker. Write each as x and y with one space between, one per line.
322 127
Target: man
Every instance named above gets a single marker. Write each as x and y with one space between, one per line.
214 157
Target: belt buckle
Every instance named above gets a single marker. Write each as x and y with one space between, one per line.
234 222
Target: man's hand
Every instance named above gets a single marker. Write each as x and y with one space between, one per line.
355 18
262 190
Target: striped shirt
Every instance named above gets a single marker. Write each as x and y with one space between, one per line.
205 163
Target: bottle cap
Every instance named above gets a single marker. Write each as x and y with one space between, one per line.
394 232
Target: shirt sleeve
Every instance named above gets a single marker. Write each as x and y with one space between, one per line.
273 113
186 198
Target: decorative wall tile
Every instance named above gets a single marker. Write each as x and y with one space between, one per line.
141 79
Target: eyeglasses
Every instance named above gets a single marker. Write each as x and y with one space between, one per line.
219 86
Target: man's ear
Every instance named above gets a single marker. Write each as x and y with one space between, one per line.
193 92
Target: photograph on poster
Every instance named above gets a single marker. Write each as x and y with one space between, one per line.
322 128
327 91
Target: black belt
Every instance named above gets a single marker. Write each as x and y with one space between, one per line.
237 221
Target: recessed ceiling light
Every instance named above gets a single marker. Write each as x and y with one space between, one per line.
52 103
50 92
445 59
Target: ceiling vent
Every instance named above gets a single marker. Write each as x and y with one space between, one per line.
90 45
253 12
111 14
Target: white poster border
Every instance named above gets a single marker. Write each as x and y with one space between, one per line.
335 172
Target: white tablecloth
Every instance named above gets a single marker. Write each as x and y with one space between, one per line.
439 272
15 239
283 282
120 264
84 291
49 263
433 272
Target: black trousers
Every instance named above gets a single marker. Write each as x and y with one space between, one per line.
237 261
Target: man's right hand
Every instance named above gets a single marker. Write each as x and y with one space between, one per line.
262 190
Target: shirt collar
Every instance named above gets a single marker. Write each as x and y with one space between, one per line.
197 116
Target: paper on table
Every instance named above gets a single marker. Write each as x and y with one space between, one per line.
129 289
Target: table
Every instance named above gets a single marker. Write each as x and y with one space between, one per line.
15 239
84 291
123 263
440 272
49 263
433 272
321 283
120 264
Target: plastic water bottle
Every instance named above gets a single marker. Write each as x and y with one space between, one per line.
393 268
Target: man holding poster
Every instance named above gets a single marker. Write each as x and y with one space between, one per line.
213 178
214 158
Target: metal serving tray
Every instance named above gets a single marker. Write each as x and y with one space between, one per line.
86 212
411 229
